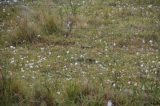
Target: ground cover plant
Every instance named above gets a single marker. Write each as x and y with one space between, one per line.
80 53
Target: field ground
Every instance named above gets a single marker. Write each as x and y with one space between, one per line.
81 53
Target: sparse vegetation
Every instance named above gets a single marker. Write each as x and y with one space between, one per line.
80 53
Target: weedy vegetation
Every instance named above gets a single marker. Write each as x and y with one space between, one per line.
80 53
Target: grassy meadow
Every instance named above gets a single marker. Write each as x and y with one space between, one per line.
80 53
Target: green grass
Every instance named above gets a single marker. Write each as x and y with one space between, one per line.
110 54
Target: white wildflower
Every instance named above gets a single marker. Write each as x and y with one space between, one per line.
97 62
129 82
135 84
42 49
68 79
81 56
137 53
76 63
150 41
49 53
114 85
146 71
67 52
142 65
4 10
38 35
58 93
83 2
12 47
12 61
149 6
33 77
30 66
114 44
23 76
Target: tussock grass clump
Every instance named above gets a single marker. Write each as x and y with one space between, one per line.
29 31
88 94
73 92
25 33
12 91
155 37
50 26
41 97
48 20
18 93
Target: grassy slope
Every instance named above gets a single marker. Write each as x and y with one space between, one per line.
115 59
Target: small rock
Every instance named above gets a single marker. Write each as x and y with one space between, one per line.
109 103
